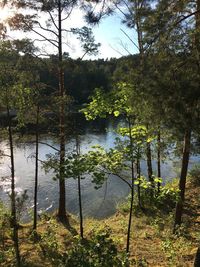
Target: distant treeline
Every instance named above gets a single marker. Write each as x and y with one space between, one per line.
81 76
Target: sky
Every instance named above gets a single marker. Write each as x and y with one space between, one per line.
109 32
114 42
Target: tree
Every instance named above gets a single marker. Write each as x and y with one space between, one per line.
14 94
168 32
173 36
116 103
57 12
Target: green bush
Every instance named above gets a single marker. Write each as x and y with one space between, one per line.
150 198
49 243
168 196
99 251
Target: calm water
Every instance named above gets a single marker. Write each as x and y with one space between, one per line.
99 203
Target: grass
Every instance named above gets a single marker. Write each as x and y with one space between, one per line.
152 241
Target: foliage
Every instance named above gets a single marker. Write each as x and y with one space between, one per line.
99 251
49 243
116 102
174 248
87 41
168 196
150 198
4 231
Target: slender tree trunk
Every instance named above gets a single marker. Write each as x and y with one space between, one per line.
36 168
137 8
62 206
132 189
158 159
197 258
149 162
182 181
79 191
197 34
138 176
13 196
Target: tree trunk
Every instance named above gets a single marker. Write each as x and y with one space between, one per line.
132 190
14 223
158 159
138 187
149 162
197 33
62 206
36 169
182 181
197 258
79 191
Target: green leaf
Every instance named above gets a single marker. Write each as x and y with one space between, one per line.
116 113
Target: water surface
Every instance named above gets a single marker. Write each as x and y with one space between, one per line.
99 203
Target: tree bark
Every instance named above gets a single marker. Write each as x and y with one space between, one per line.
132 189
62 206
14 223
158 159
79 192
197 33
197 258
182 181
138 187
149 162
36 169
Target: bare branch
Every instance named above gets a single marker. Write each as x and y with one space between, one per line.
128 7
45 38
69 13
116 50
46 29
52 19
125 48
129 38
5 155
119 176
121 11
186 17
44 143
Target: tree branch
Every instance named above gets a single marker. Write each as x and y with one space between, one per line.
46 29
44 143
119 176
129 38
52 19
69 13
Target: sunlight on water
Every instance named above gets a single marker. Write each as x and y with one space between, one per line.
96 203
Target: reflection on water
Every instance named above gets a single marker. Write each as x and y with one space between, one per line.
99 203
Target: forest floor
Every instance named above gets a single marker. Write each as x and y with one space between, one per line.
152 242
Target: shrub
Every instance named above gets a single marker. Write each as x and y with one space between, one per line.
168 196
99 251
150 198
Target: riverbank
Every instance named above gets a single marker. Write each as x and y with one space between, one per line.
152 241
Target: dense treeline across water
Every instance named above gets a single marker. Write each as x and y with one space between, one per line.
81 76
156 96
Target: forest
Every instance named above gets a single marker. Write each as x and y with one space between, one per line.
118 136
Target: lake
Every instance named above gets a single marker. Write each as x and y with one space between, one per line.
99 203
